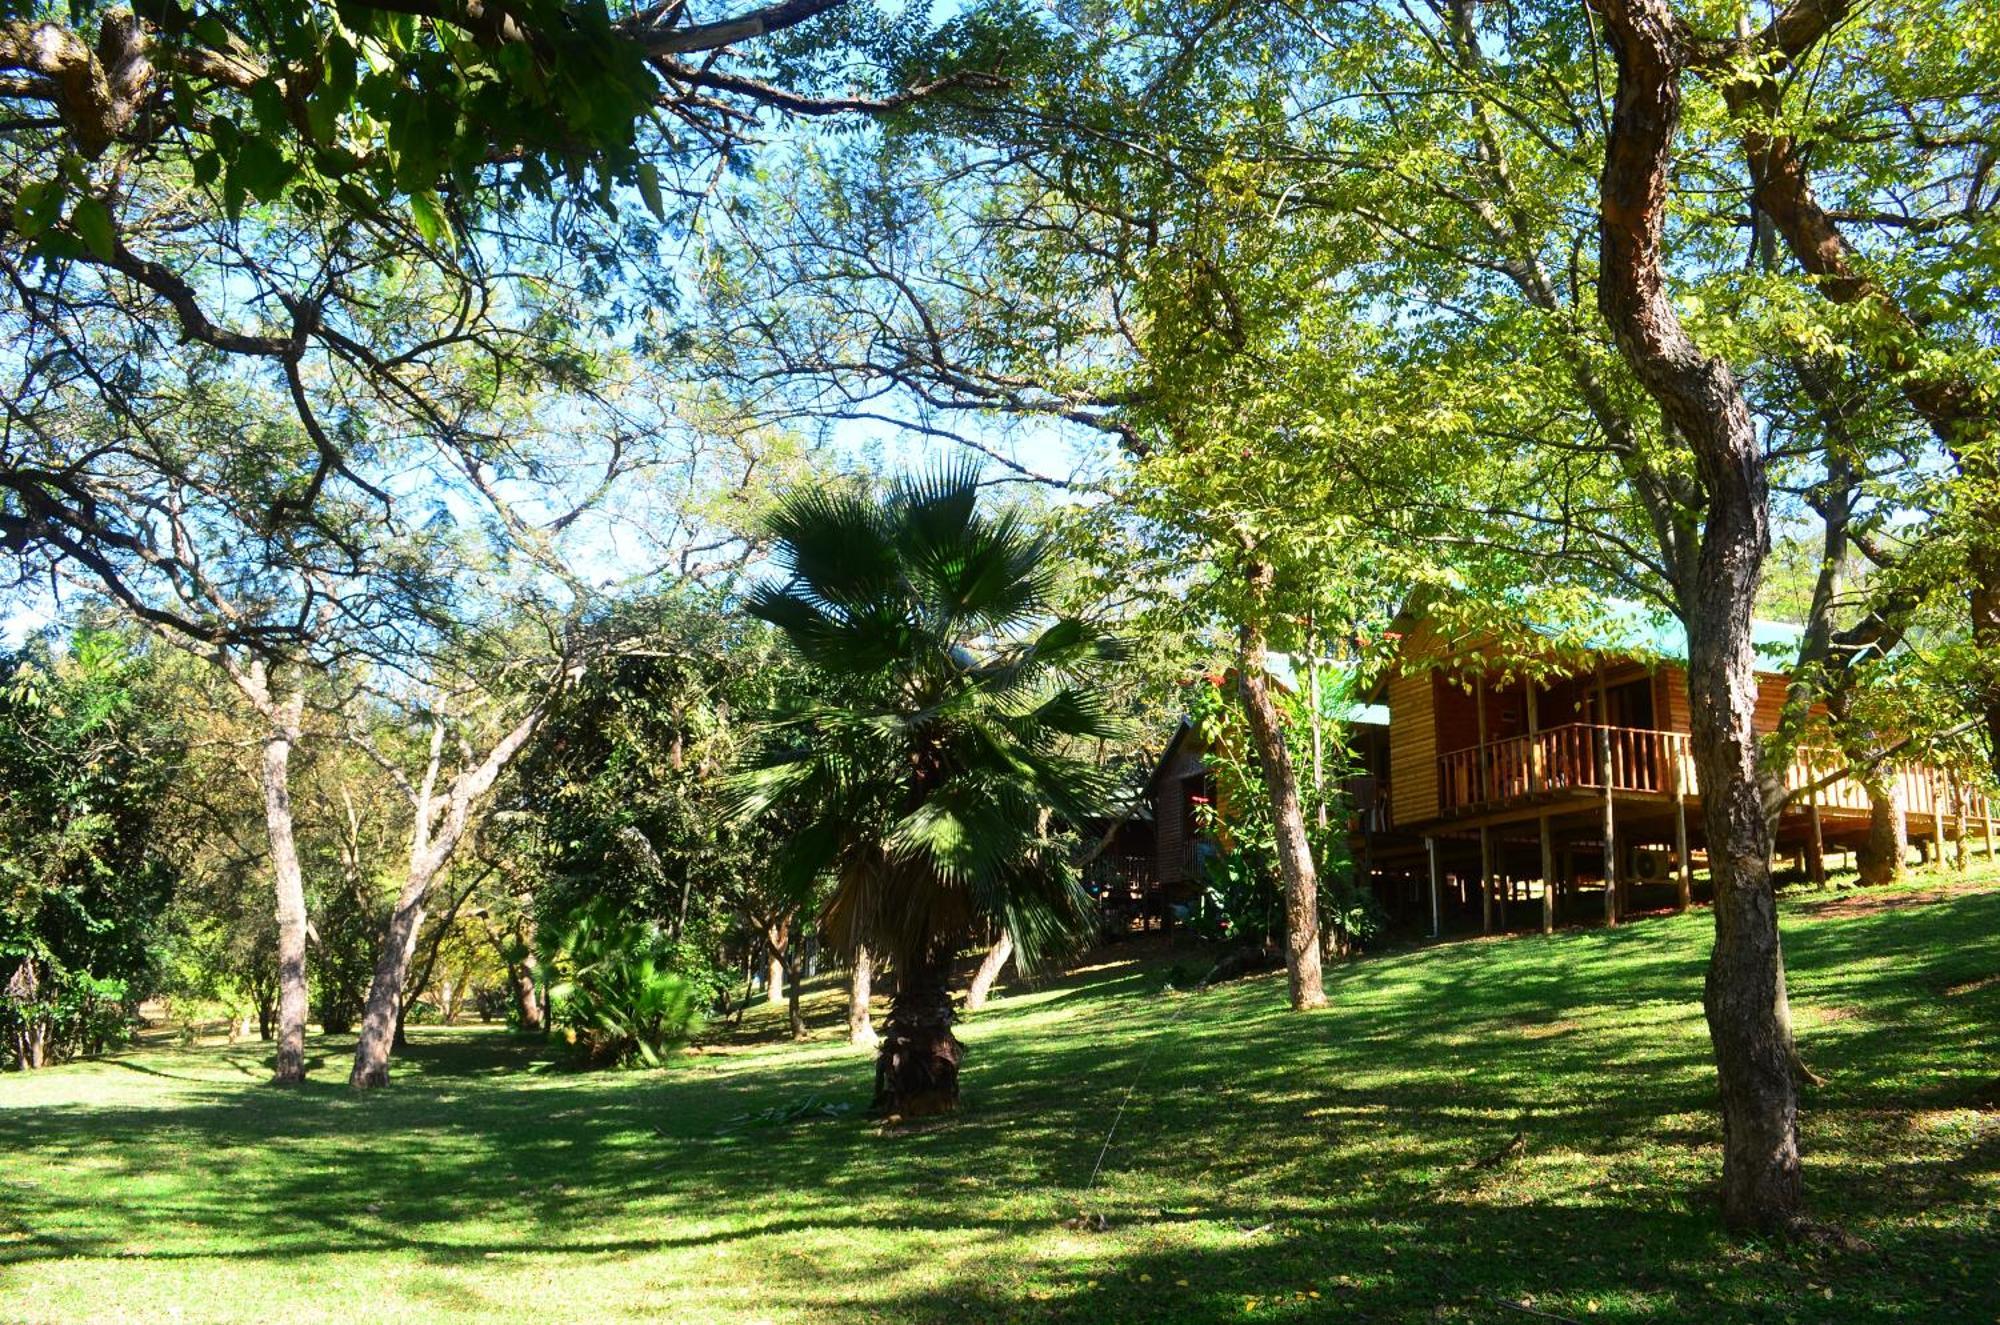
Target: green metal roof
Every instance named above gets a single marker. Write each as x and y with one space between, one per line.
1627 627
1333 707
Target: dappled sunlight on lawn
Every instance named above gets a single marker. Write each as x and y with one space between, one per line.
1471 1130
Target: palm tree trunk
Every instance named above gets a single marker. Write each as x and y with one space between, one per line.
989 971
916 1068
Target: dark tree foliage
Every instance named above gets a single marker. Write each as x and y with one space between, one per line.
618 792
85 765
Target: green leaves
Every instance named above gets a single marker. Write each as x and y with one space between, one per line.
37 206
428 214
934 748
91 219
649 189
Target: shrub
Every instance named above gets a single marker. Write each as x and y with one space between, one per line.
48 1015
616 997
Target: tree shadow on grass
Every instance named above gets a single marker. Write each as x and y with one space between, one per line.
1527 1122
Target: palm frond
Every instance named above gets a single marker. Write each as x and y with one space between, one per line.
930 759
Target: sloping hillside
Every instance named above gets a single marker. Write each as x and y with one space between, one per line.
1512 1130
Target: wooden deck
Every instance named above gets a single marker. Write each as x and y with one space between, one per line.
1527 776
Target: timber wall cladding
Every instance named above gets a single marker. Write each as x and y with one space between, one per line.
1671 697
1413 749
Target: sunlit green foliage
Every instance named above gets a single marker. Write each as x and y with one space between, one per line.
88 755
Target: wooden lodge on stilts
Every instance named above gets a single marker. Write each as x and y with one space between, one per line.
1509 786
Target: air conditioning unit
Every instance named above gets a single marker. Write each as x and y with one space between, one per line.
1650 866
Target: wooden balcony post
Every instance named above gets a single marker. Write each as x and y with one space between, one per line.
1899 798
1986 803
1536 777
1479 758
1548 879
1431 851
1683 867
1610 828
1485 880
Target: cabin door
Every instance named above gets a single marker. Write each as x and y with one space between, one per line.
1631 705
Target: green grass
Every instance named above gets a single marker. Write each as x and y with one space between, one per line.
1473 1125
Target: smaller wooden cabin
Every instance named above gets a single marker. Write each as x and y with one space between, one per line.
1181 784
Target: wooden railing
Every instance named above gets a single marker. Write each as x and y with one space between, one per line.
1573 756
1584 756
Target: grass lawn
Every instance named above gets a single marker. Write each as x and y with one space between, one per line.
1511 1130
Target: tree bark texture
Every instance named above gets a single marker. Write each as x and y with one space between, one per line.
275 777
1295 861
795 1010
916 1065
1748 1018
430 852
989 970
777 934
1884 853
860 988
520 959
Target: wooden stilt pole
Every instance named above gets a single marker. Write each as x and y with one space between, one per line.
1431 850
1548 879
1485 880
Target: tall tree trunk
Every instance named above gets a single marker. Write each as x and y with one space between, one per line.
430 852
1748 1016
439 933
275 777
517 952
795 1012
382 1014
989 970
777 942
860 987
916 1066
1295 862
527 997
1884 853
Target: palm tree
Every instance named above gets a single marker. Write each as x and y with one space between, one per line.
923 769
